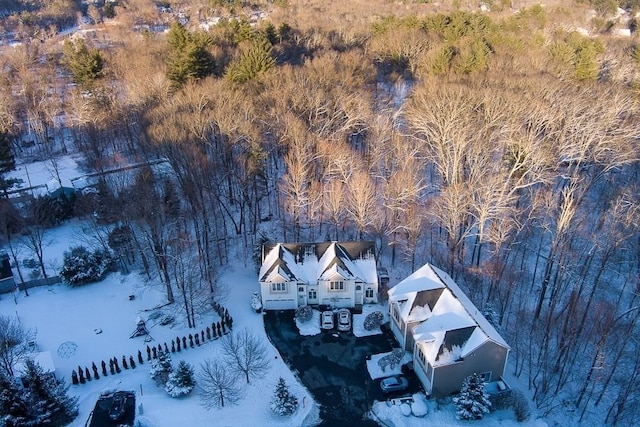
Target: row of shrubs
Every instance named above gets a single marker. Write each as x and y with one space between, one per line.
81 376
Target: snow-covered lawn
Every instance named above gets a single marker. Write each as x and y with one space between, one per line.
312 327
441 414
358 319
375 371
73 316
44 173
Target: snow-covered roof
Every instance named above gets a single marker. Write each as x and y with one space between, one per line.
445 324
43 359
310 262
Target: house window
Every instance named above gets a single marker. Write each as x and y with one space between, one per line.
313 294
368 293
486 376
358 288
337 286
278 287
394 313
300 288
420 356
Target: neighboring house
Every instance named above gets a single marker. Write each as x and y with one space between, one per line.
449 338
6 275
337 274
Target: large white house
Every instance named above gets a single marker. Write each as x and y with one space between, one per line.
449 338
337 274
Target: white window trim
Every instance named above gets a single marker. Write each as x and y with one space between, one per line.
278 287
341 286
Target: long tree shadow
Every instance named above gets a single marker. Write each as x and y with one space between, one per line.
332 366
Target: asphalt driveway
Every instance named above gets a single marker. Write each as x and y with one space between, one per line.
332 366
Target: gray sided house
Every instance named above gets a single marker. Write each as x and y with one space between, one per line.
449 338
337 274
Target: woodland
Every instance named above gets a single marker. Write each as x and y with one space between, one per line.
500 145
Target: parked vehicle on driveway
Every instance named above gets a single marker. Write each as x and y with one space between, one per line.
118 405
344 320
326 320
394 383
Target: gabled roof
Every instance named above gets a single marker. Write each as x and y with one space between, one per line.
444 322
310 262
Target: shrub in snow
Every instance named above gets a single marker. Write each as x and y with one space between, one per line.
520 405
80 266
473 401
392 359
419 407
283 402
405 409
161 368
373 320
181 381
304 314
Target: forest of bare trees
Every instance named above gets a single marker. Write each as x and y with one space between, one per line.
501 147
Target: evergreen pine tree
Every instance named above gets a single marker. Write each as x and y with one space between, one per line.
14 407
492 316
7 163
283 402
161 368
84 64
181 381
49 399
473 401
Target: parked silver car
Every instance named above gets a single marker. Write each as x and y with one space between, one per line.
344 320
395 383
326 320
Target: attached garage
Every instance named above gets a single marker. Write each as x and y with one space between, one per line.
280 304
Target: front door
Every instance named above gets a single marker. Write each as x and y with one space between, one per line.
302 296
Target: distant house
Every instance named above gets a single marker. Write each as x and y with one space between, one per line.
337 274
6 275
449 338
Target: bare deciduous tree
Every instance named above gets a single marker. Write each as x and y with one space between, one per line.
13 343
218 384
247 354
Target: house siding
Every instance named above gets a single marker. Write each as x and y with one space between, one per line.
489 357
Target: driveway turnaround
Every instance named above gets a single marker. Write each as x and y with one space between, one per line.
332 365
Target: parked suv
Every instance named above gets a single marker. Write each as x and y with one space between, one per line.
395 383
326 320
344 320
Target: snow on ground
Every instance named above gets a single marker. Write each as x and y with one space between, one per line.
44 173
67 320
312 327
442 414
376 372
358 319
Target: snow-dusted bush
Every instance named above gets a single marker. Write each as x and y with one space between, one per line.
473 401
283 402
520 405
181 381
392 359
161 368
81 266
304 314
373 320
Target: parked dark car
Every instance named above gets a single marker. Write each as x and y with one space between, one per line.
395 383
118 405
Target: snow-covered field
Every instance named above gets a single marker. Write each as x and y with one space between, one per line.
67 320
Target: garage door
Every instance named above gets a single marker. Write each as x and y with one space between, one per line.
285 304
